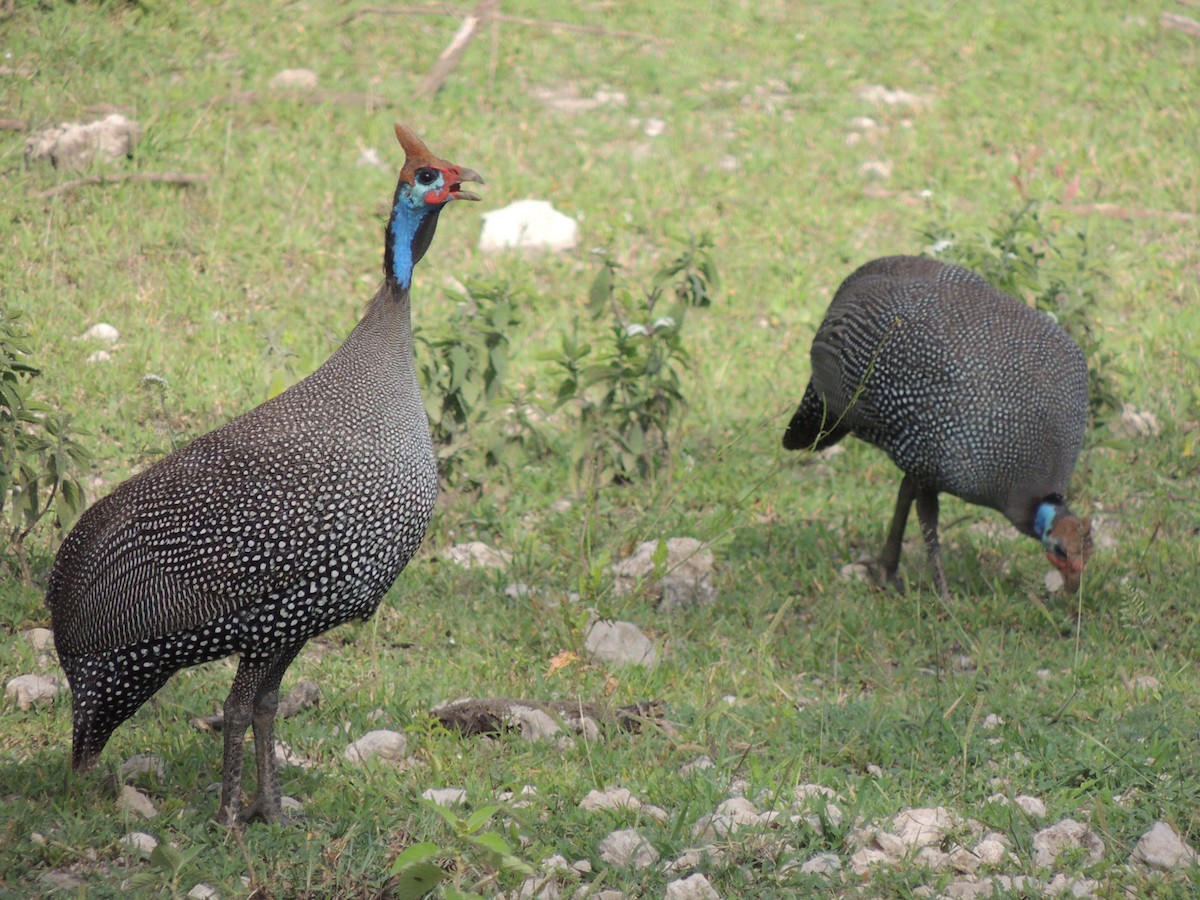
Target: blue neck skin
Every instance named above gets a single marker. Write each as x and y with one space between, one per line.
1044 520
407 215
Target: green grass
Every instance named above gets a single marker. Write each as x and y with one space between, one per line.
793 675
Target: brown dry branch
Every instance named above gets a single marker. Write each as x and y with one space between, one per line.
1180 23
449 57
180 178
14 125
1128 212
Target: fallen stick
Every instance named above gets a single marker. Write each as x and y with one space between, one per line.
14 125
449 57
1180 23
1128 212
181 178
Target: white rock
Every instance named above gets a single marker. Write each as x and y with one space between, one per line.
478 554
517 591
686 573
613 798
134 801
528 225
1145 683
384 744
535 887
621 643
728 163
143 764
74 146
203 891
1162 848
821 864
652 128
696 765
369 157
1137 423
969 890
29 690
931 857
39 638
730 815
1067 834
298 79
863 860
1033 807
883 96
991 722
98 356
877 168
627 848
140 841
963 860
285 756
923 826
991 853
291 805
534 724
101 333
863 123
694 887
855 571
450 796
1062 885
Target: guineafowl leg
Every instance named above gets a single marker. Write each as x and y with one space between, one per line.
267 804
927 515
889 559
238 712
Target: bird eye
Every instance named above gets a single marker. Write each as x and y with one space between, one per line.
426 176
1058 550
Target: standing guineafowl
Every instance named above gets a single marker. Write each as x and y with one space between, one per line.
281 524
967 390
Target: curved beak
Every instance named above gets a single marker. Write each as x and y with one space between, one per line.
455 176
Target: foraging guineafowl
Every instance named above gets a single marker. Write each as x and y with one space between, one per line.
281 524
967 390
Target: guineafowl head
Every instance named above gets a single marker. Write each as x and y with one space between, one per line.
1068 543
427 183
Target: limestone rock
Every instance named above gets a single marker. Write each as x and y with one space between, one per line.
694 887
134 801
1162 848
295 79
1067 834
450 796
140 841
528 225
74 146
476 554
387 745
686 573
621 643
627 847
612 798
143 764
29 690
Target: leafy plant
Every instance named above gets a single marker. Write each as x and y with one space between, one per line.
462 370
1025 255
422 867
39 456
167 866
625 387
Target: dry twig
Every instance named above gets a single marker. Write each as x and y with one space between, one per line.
181 178
1180 23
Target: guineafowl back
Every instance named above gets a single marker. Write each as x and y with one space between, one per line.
287 520
966 389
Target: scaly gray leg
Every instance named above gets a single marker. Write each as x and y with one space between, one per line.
238 712
889 559
927 515
267 804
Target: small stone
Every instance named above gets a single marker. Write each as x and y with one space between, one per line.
863 123
1137 423
1053 581
1146 683
682 579
652 128
863 860
387 745
613 798
517 591
101 333
1162 848
64 880
143 764
821 864
991 853
39 638
476 554
528 225
291 805
534 724
140 841
923 826
1031 806
450 796
884 96
963 860
203 891
37 839
992 721
1062 885
694 887
855 571
1067 834
74 146
134 801
627 848
295 79
696 765
728 163
931 857
369 157
621 643
98 356
536 887
877 168
29 690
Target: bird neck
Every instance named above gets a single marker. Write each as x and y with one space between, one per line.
1046 515
409 232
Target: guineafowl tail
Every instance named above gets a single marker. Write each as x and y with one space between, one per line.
814 425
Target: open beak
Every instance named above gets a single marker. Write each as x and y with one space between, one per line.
455 176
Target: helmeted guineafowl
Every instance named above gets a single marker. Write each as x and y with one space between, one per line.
275 527
967 390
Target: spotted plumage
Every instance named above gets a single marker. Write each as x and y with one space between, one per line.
275 527
968 391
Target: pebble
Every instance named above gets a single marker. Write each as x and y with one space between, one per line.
448 796
1162 848
385 744
29 690
140 841
134 801
694 887
627 847
101 333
